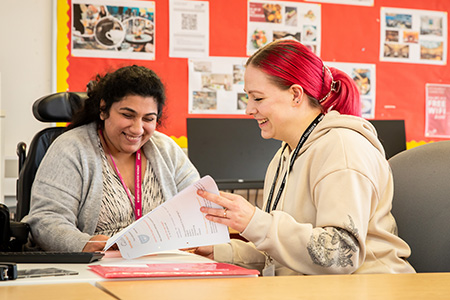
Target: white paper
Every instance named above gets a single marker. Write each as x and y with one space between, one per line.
216 85
175 224
273 20
413 36
189 29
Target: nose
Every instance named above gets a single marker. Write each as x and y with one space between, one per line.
250 109
137 127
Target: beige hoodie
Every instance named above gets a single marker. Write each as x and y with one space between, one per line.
334 214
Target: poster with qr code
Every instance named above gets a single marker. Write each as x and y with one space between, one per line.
113 29
189 29
272 20
216 85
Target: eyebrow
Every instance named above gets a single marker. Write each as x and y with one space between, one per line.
252 91
134 112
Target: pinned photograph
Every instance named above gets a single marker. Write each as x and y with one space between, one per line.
431 50
396 50
113 30
402 21
392 36
410 37
431 25
204 100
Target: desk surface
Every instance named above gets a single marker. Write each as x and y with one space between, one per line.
85 275
379 286
66 291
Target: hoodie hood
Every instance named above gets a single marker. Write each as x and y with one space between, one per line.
334 119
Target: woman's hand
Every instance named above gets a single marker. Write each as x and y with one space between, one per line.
237 211
206 251
96 243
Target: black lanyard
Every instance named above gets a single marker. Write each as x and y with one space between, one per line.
293 158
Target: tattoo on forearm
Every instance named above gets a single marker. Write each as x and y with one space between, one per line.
335 246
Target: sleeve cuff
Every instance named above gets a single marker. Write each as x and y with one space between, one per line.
223 253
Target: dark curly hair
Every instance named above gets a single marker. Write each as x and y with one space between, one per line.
113 87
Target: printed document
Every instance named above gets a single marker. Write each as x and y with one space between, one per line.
176 224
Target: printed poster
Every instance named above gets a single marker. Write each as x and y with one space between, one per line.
113 29
349 2
189 29
437 117
272 20
216 85
413 36
364 77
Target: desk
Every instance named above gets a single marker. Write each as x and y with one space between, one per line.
111 258
53 291
378 286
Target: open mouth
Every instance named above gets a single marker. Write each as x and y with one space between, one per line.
260 122
132 138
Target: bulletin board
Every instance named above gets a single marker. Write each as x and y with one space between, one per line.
349 34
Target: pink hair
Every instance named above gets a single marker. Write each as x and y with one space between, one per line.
289 62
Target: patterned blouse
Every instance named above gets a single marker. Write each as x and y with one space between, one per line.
117 211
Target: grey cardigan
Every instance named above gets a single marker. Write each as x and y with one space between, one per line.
67 191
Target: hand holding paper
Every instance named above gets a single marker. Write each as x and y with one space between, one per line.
175 224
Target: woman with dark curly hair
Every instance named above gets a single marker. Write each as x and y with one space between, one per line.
110 167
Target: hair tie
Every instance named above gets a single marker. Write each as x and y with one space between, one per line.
334 87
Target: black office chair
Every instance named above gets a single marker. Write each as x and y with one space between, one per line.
57 107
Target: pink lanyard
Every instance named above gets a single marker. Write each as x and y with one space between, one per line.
137 181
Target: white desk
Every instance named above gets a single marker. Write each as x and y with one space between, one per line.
111 258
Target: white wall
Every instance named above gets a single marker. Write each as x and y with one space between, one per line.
26 71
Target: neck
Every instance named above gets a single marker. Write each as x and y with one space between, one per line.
300 128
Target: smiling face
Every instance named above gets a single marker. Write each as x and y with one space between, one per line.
267 103
130 124
282 114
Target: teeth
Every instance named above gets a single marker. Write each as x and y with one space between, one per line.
132 137
263 121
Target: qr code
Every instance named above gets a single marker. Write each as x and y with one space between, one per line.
189 21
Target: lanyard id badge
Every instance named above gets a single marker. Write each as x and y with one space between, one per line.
137 181
302 141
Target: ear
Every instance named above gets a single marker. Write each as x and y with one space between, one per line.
102 110
297 92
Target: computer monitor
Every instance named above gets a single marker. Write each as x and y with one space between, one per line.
392 135
231 150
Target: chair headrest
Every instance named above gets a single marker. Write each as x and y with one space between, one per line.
58 107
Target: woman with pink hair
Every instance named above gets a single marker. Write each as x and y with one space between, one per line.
328 190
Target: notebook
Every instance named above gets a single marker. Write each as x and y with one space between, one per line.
173 270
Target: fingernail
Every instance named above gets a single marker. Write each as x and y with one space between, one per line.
200 192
